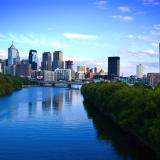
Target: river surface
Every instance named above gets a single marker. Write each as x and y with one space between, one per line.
45 123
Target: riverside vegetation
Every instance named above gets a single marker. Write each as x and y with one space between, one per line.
135 109
11 83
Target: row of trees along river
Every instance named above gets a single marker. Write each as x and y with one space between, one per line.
136 109
11 83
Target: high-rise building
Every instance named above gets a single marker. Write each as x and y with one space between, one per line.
46 61
23 69
140 71
81 69
113 67
33 59
69 65
58 60
13 55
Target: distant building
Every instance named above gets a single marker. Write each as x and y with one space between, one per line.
81 69
113 67
23 69
13 55
57 60
33 59
46 61
63 74
153 79
48 75
69 65
10 70
3 64
140 71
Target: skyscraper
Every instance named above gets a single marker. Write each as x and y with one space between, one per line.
69 65
140 71
13 55
46 61
113 67
33 59
57 60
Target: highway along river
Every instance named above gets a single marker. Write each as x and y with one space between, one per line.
46 123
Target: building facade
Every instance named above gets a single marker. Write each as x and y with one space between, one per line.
69 65
63 75
57 60
46 63
113 67
48 75
139 71
13 55
153 79
33 59
23 69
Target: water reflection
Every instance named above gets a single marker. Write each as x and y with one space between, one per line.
124 145
58 102
32 108
68 97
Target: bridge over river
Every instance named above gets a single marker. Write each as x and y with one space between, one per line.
68 84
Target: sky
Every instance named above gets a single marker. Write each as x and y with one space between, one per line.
87 31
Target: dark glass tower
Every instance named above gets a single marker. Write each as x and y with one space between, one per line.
33 59
46 63
57 60
69 65
113 67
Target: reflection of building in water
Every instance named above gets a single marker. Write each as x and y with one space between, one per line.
68 97
32 108
46 104
58 102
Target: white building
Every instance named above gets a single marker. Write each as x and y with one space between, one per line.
140 71
48 75
63 74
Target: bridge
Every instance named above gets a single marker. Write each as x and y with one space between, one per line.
69 84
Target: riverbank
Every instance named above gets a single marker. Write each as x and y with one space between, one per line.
135 109
10 83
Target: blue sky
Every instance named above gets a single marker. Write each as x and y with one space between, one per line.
87 31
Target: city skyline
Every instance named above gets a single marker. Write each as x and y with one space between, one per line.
51 25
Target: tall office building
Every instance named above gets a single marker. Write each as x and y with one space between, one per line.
13 55
69 65
33 59
57 60
113 67
140 71
46 63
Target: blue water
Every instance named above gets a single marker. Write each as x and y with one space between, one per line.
45 123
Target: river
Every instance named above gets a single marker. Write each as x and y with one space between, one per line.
46 123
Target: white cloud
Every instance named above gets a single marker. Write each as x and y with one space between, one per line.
139 37
124 9
155 30
101 4
123 18
147 52
151 2
154 44
80 36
